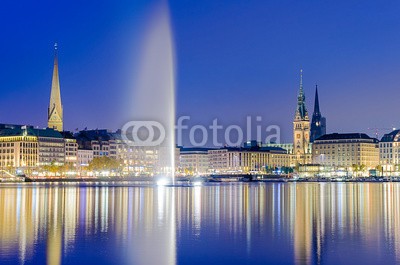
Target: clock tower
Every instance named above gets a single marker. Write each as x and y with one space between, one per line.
301 128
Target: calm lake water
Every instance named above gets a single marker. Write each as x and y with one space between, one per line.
270 223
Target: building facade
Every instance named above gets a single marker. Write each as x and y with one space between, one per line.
139 160
84 157
194 161
136 160
51 147
25 146
349 151
71 148
258 160
18 150
218 160
50 143
389 153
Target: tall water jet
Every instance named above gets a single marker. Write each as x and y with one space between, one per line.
154 97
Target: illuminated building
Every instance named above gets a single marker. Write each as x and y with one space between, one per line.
139 160
84 157
71 148
51 146
55 110
346 150
43 146
136 159
218 160
194 161
18 149
102 142
242 160
389 153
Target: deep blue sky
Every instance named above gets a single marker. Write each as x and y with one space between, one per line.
234 58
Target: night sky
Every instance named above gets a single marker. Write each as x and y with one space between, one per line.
234 58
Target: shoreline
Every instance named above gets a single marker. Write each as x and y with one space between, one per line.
202 179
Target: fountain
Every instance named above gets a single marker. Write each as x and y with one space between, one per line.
153 105
154 98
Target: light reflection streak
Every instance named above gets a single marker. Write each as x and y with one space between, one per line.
197 210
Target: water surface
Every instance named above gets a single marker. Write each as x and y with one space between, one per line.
237 223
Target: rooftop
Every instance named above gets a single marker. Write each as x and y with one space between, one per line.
267 149
194 149
345 136
26 130
393 136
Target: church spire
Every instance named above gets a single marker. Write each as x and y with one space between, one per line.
55 110
301 80
301 96
316 102
318 123
301 111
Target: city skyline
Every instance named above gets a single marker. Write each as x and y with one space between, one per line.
199 132
55 121
90 70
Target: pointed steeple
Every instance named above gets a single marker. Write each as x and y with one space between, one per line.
55 110
301 80
318 123
316 103
301 96
301 111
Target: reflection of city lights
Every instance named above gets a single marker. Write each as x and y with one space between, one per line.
145 219
197 209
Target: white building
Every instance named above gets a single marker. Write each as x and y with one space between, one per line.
71 148
389 153
233 160
194 161
85 156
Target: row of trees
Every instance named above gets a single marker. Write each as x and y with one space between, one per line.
105 163
284 170
102 163
358 168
